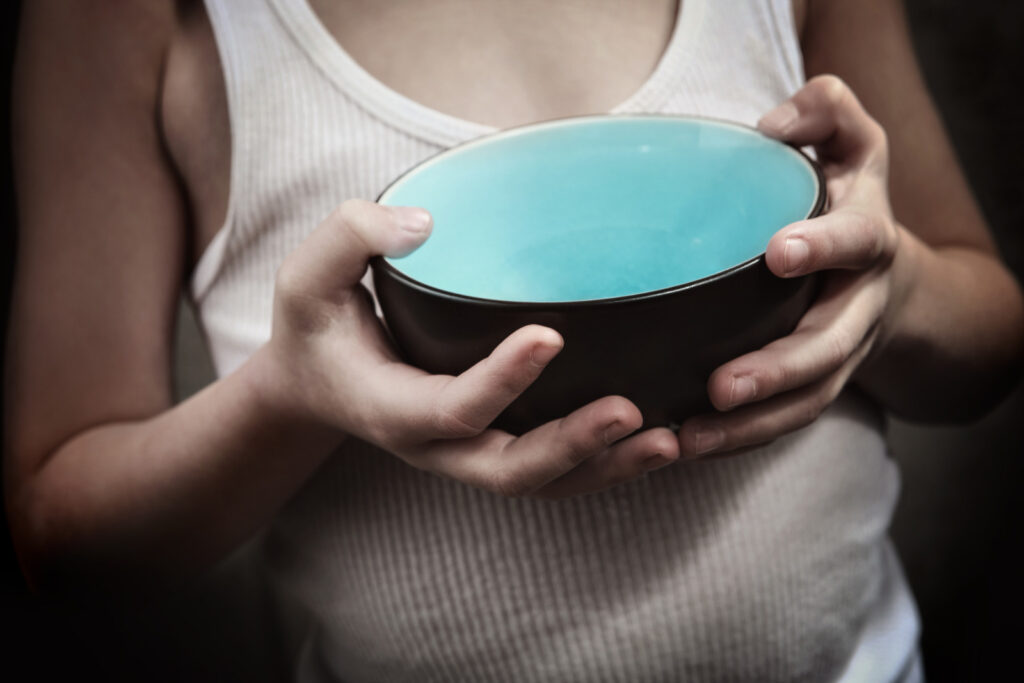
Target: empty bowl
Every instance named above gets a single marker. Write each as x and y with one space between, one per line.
640 238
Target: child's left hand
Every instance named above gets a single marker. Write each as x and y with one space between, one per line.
788 383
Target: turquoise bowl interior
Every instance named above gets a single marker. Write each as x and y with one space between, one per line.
604 207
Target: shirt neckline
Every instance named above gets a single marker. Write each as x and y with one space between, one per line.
435 126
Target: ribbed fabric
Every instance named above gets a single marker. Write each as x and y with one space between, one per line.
770 566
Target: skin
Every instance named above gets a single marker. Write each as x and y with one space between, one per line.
111 484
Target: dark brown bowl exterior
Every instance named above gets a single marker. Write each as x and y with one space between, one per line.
657 350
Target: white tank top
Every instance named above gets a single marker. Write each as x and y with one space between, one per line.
769 566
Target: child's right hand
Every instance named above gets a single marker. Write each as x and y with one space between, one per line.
331 361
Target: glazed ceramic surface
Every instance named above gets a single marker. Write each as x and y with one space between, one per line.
601 207
639 238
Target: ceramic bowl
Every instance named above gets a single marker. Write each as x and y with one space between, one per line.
639 238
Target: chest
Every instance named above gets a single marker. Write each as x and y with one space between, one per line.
496 63
505 63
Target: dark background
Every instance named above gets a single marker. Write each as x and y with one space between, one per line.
957 527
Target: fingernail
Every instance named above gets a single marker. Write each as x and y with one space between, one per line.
795 255
780 119
743 389
543 353
615 431
709 439
655 462
411 218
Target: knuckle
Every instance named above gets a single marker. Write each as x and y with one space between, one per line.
890 242
875 156
506 383
349 212
831 87
508 484
382 433
810 410
720 387
862 225
879 140
352 217
575 448
449 421
869 233
838 347
574 453
781 375
288 279
296 313
622 410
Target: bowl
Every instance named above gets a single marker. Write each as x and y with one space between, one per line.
639 238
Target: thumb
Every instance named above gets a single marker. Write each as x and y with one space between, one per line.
334 257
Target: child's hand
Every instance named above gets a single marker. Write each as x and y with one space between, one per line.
332 364
788 383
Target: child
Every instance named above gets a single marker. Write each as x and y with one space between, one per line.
405 540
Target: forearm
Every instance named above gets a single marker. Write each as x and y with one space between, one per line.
166 496
953 345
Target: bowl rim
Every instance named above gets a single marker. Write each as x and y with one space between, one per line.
379 263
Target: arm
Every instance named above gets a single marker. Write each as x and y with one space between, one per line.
955 348
107 482
917 308
97 465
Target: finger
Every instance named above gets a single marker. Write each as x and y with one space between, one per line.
514 467
845 238
333 259
827 114
626 460
446 407
764 421
842 320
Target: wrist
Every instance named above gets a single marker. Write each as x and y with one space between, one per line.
896 329
948 342
277 396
